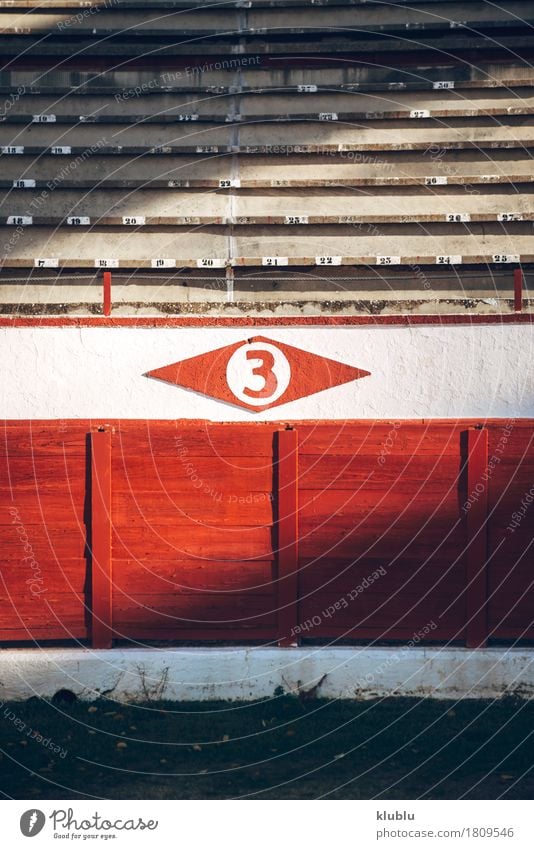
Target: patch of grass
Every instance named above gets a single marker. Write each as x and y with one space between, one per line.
281 748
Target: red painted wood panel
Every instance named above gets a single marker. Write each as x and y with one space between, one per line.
196 517
152 576
244 509
288 536
101 524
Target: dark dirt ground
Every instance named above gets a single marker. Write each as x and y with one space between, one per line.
280 748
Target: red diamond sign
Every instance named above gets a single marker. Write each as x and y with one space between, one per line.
258 374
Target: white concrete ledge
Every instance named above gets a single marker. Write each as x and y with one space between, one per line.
203 674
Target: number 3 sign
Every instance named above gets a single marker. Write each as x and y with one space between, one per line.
257 374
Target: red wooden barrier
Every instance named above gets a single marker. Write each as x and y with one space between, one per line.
477 549
288 532
106 293
101 579
371 531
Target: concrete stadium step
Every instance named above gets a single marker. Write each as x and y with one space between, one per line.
241 74
212 247
275 138
453 42
270 104
216 23
433 169
221 4
149 208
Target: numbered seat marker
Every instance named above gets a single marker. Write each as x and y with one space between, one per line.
458 217
229 184
106 263
20 220
23 184
388 260
275 260
62 150
13 149
500 258
436 180
43 119
452 259
133 220
509 216
46 262
328 260
209 262
163 263
296 219
78 220
327 116
419 113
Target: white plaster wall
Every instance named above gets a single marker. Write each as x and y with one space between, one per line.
416 372
204 674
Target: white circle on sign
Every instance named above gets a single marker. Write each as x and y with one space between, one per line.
258 373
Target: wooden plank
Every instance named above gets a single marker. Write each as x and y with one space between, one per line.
45 543
382 539
287 536
214 475
384 610
101 565
135 631
345 576
245 509
57 439
159 576
53 472
346 508
42 506
398 437
58 576
195 440
60 615
106 293
477 550
394 632
190 541
347 472
175 611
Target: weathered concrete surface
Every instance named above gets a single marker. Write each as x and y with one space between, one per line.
219 23
470 170
216 77
216 247
269 206
272 103
416 372
200 674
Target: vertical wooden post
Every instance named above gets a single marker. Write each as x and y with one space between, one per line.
518 289
477 547
287 600
107 293
101 610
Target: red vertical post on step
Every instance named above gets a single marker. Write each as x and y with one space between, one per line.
101 610
518 289
287 598
107 293
477 546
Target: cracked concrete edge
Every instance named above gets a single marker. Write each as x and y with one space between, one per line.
244 674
